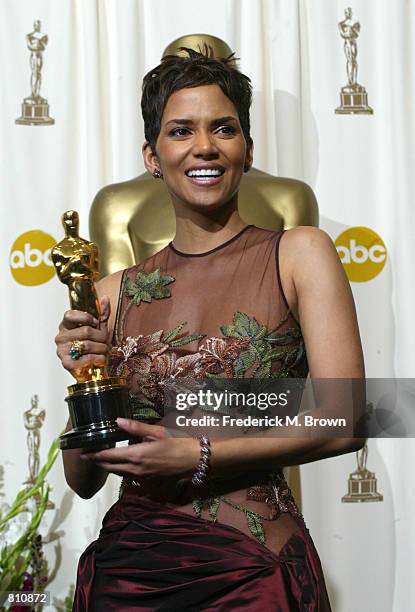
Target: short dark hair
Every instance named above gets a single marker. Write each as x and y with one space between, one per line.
179 72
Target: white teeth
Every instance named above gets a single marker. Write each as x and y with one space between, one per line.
205 172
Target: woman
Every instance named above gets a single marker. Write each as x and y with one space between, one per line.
209 524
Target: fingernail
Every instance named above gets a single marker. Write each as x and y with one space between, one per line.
122 421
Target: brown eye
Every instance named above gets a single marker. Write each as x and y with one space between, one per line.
226 130
180 131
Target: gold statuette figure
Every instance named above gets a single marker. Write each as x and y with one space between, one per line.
96 400
76 263
131 221
35 109
353 97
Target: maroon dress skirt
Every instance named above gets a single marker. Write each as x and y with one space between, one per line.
152 557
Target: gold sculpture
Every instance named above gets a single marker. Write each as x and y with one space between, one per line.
96 400
131 221
35 109
353 97
76 263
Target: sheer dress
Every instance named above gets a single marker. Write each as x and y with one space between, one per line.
223 313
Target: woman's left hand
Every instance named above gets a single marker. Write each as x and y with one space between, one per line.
157 455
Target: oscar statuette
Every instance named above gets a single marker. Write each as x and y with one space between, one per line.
353 96
96 400
35 109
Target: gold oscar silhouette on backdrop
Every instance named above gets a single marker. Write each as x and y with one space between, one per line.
131 221
35 109
362 485
353 97
96 400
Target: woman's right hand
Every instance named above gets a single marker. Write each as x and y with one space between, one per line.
78 325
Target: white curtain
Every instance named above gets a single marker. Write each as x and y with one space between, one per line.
358 165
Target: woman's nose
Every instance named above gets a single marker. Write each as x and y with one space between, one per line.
204 144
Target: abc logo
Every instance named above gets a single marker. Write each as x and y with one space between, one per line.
362 253
30 262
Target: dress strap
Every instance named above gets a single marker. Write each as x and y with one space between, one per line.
116 331
277 266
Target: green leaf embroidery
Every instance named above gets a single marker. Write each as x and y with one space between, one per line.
275 355
137 401
246 359
186 339
263 370
255 525
242 326
254 519
142 408
197 506
228 331
148 286
173 333
144 414
213 507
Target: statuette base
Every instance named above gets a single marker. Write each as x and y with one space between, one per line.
353 101
93 411
35 111
362 487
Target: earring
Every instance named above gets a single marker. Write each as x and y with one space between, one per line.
157 174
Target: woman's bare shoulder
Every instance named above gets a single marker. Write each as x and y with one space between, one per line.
306 236
304 247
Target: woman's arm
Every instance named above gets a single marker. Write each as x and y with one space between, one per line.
320 297
86 479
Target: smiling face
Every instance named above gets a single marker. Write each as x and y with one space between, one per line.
201 150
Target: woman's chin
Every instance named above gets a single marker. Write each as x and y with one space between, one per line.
209 204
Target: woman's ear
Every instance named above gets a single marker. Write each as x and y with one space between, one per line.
150 160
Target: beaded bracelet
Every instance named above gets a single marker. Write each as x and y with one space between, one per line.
201 474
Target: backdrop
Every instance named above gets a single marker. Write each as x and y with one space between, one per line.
359 165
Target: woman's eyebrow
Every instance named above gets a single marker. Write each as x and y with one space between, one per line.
217 121
180 121
226 119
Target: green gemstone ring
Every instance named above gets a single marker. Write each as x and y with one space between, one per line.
76 350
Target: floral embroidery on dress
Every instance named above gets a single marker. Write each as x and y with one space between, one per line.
148 286
265 347
276 495
246 350
147 361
